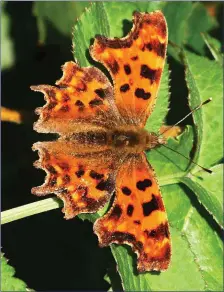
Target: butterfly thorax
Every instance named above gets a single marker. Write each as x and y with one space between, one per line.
133 140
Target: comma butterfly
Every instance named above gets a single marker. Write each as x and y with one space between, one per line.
102 141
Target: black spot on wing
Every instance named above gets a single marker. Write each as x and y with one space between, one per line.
124 87
80 104
151 74
100 92
95 102
152 205
140 93
80 172
130 210
95 175
127 69
126 191
143 184
102 185
156 46
106 185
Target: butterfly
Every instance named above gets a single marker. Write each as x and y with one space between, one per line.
100 153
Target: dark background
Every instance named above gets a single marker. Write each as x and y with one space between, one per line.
48 252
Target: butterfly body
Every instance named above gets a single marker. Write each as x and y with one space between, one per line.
102 144
132 140
129 140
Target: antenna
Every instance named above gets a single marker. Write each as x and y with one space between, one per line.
205 169
190 113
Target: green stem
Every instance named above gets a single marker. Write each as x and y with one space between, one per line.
169 180
29 210
52 203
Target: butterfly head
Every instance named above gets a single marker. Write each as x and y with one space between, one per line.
153 140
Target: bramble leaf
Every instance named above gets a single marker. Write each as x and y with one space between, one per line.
214 46
56 15
209 190
8 281
204 80
198 22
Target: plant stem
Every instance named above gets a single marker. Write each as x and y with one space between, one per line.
30 209
169 180
50 204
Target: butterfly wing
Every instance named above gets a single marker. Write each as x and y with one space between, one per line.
136 63
84 181
83 96
138 216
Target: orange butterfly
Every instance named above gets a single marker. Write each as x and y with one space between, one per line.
102 141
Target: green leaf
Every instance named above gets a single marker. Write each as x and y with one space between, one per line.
57 15
209 190
97 21
198 22
214 46
204 80
207 247
7 47
198 230
186 21
176 14
8 281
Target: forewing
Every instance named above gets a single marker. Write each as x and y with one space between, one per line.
83 181
138 216
135 63
82 96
